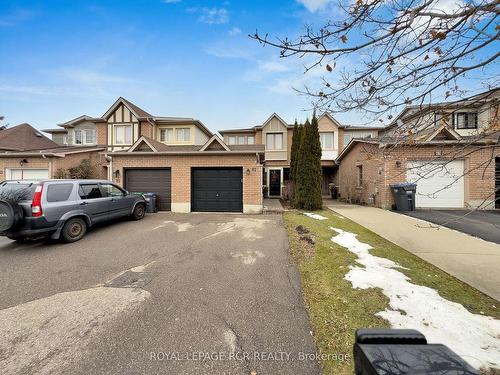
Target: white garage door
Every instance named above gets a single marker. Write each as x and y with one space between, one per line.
439 184
26 174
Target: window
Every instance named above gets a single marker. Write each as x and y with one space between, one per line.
59 192
123 134
78 137
166 135
183 134
89 191
241 140
326 141
359 170
274 141
251 140
231 140
112 190
89 136
65 139
465 120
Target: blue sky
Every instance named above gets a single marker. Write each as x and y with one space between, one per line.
61 59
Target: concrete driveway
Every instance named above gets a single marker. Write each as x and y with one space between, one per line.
468 258
173 293
480 223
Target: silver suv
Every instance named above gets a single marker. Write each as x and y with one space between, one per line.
62 209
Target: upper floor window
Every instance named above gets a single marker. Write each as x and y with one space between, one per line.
183 134
274 141
326 140
85 137
465 120
241 140
166 135
123 134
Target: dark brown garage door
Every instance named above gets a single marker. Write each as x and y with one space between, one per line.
151 181
217 189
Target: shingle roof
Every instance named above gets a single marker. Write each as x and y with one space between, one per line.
140 112
24 137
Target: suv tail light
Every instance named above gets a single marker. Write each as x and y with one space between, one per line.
36 204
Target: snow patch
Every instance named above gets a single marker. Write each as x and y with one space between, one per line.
315 216
474 337
181 227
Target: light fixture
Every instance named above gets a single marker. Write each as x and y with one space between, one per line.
117 173
398 164
23 161
248 170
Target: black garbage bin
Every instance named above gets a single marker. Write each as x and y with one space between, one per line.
404 196
152 200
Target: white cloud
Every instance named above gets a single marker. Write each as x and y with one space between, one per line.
212 16
234 31
314 5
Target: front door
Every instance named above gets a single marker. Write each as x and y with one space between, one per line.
275 182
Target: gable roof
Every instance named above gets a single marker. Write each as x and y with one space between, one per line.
254 128
444 130
138 112
215 139
79 119
24 137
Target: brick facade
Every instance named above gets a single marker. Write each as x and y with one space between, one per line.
385 166
53 164
181 174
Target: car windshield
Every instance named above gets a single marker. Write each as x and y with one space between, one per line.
17 191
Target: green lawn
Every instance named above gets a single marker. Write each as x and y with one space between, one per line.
335 309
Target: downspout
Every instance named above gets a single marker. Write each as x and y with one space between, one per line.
50 165
110 166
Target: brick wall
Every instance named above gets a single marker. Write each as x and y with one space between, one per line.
181 172
369 157
102 132
146 129
383 167
72 160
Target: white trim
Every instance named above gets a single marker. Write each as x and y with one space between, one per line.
119 101
138 142
211 140
268 180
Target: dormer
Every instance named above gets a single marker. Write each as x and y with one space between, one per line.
80 131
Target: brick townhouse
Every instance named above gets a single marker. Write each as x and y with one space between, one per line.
450 150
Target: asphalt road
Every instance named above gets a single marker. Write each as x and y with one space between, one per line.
484 224
173 293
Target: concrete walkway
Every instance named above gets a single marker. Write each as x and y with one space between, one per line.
273 205
470 259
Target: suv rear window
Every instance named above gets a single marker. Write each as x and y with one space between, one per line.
16 191
90 191
59 192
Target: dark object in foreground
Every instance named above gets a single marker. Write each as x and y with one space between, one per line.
404 196
404 351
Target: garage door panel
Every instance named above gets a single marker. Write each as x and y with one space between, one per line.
27 174
439 184
151 180
217 189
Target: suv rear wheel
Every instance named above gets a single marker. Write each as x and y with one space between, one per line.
73 230
139 212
